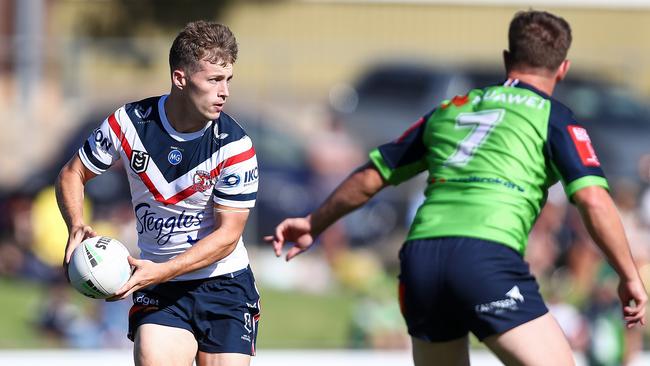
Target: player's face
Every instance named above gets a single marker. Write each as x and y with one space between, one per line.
207 88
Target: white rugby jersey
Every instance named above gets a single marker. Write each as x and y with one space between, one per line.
175 177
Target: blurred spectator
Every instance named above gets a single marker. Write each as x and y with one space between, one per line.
543 247
50 233
606 345
568 316
332 153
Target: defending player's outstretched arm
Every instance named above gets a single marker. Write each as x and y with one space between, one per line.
352 193
601 219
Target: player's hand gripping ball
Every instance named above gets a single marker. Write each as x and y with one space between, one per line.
99 267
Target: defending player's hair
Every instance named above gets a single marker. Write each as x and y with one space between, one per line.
537 39
201 40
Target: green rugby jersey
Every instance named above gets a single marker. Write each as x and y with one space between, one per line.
491 156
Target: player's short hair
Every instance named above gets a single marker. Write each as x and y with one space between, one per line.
538 39
201 40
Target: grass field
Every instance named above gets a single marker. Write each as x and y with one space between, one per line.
18 311
289 319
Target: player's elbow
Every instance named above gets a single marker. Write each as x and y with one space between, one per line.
593 199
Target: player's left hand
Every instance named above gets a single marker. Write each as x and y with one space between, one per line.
633 298
145 273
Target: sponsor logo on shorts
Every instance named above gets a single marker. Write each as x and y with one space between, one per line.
248 323
145 300
510 303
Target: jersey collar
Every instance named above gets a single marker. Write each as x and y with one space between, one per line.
520 84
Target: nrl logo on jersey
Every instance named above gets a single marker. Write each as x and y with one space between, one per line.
202 181
139 161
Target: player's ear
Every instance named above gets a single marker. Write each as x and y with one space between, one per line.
563 70
178 79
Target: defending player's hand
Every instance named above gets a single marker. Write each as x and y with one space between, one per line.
634 299
145 273
295 230
76 235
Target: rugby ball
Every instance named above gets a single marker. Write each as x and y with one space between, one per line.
99 267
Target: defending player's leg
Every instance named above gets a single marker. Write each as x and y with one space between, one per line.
537 342
222 359
159 345
451 353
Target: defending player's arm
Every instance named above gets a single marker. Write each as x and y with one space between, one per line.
602 220
97 154
351 194
391 163
574 159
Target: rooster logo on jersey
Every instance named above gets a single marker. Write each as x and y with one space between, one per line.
202 181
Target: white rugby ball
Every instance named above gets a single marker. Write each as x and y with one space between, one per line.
99 267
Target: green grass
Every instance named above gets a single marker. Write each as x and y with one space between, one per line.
19 308
297 320
289 319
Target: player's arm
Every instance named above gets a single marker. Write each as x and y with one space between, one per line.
230 223
574 159
603 223
391 163
95 156
69 188
352 193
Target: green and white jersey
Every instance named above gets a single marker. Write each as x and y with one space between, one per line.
491 156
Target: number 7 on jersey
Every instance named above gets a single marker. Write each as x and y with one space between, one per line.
483 123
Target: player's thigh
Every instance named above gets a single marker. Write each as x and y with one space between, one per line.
159 345
537 342
222 359
450 353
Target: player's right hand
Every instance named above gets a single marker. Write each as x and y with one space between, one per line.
294 230
76 235
633 300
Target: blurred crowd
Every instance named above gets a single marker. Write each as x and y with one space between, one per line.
579 286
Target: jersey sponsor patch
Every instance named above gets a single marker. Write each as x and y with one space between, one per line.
583 145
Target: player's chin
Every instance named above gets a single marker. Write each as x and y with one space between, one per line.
212 115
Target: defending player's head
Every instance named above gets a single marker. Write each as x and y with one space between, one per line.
201 61
538 43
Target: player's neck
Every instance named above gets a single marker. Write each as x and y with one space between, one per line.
542 83
182 118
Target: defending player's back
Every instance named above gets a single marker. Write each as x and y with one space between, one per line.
490 155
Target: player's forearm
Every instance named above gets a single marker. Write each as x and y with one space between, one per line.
69 188
603 223
214 247
352 193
